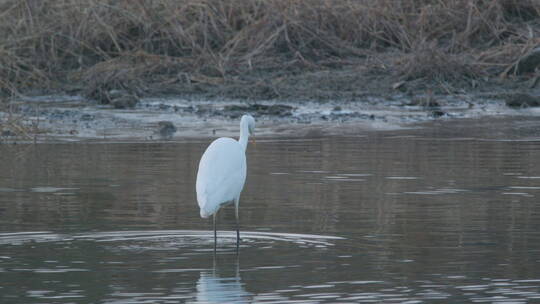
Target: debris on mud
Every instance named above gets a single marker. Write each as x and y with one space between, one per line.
438 113
521 100
119 99
125 102
87 117
257 109
345 116
427 101
166 129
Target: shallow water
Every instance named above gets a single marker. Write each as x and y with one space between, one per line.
443 214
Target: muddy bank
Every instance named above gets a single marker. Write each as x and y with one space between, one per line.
349 79
354 81
360 96
73 117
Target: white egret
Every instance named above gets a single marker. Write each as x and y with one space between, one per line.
222 174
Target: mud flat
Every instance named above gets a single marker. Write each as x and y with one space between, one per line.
62 117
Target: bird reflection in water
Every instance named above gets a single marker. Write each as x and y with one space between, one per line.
223 284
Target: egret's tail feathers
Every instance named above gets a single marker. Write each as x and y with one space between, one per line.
202 199
206 209
205 214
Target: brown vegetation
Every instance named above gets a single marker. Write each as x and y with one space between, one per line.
14 125
130 44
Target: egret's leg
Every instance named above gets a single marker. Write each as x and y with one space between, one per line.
237 223
215 232
237 234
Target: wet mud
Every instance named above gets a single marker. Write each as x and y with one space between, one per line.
320 102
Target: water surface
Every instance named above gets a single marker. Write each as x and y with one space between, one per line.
443 214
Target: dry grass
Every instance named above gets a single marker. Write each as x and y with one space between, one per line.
15 126
129 43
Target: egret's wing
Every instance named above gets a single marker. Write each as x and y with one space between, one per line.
221 175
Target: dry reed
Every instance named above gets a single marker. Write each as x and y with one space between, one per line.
126 44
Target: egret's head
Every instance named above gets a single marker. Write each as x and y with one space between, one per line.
249 121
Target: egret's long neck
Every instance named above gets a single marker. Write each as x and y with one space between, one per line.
244 135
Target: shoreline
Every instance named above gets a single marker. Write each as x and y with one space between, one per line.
73 118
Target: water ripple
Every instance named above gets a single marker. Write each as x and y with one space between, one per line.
177 237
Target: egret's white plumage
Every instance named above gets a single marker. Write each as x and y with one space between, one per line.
221 175
222 172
